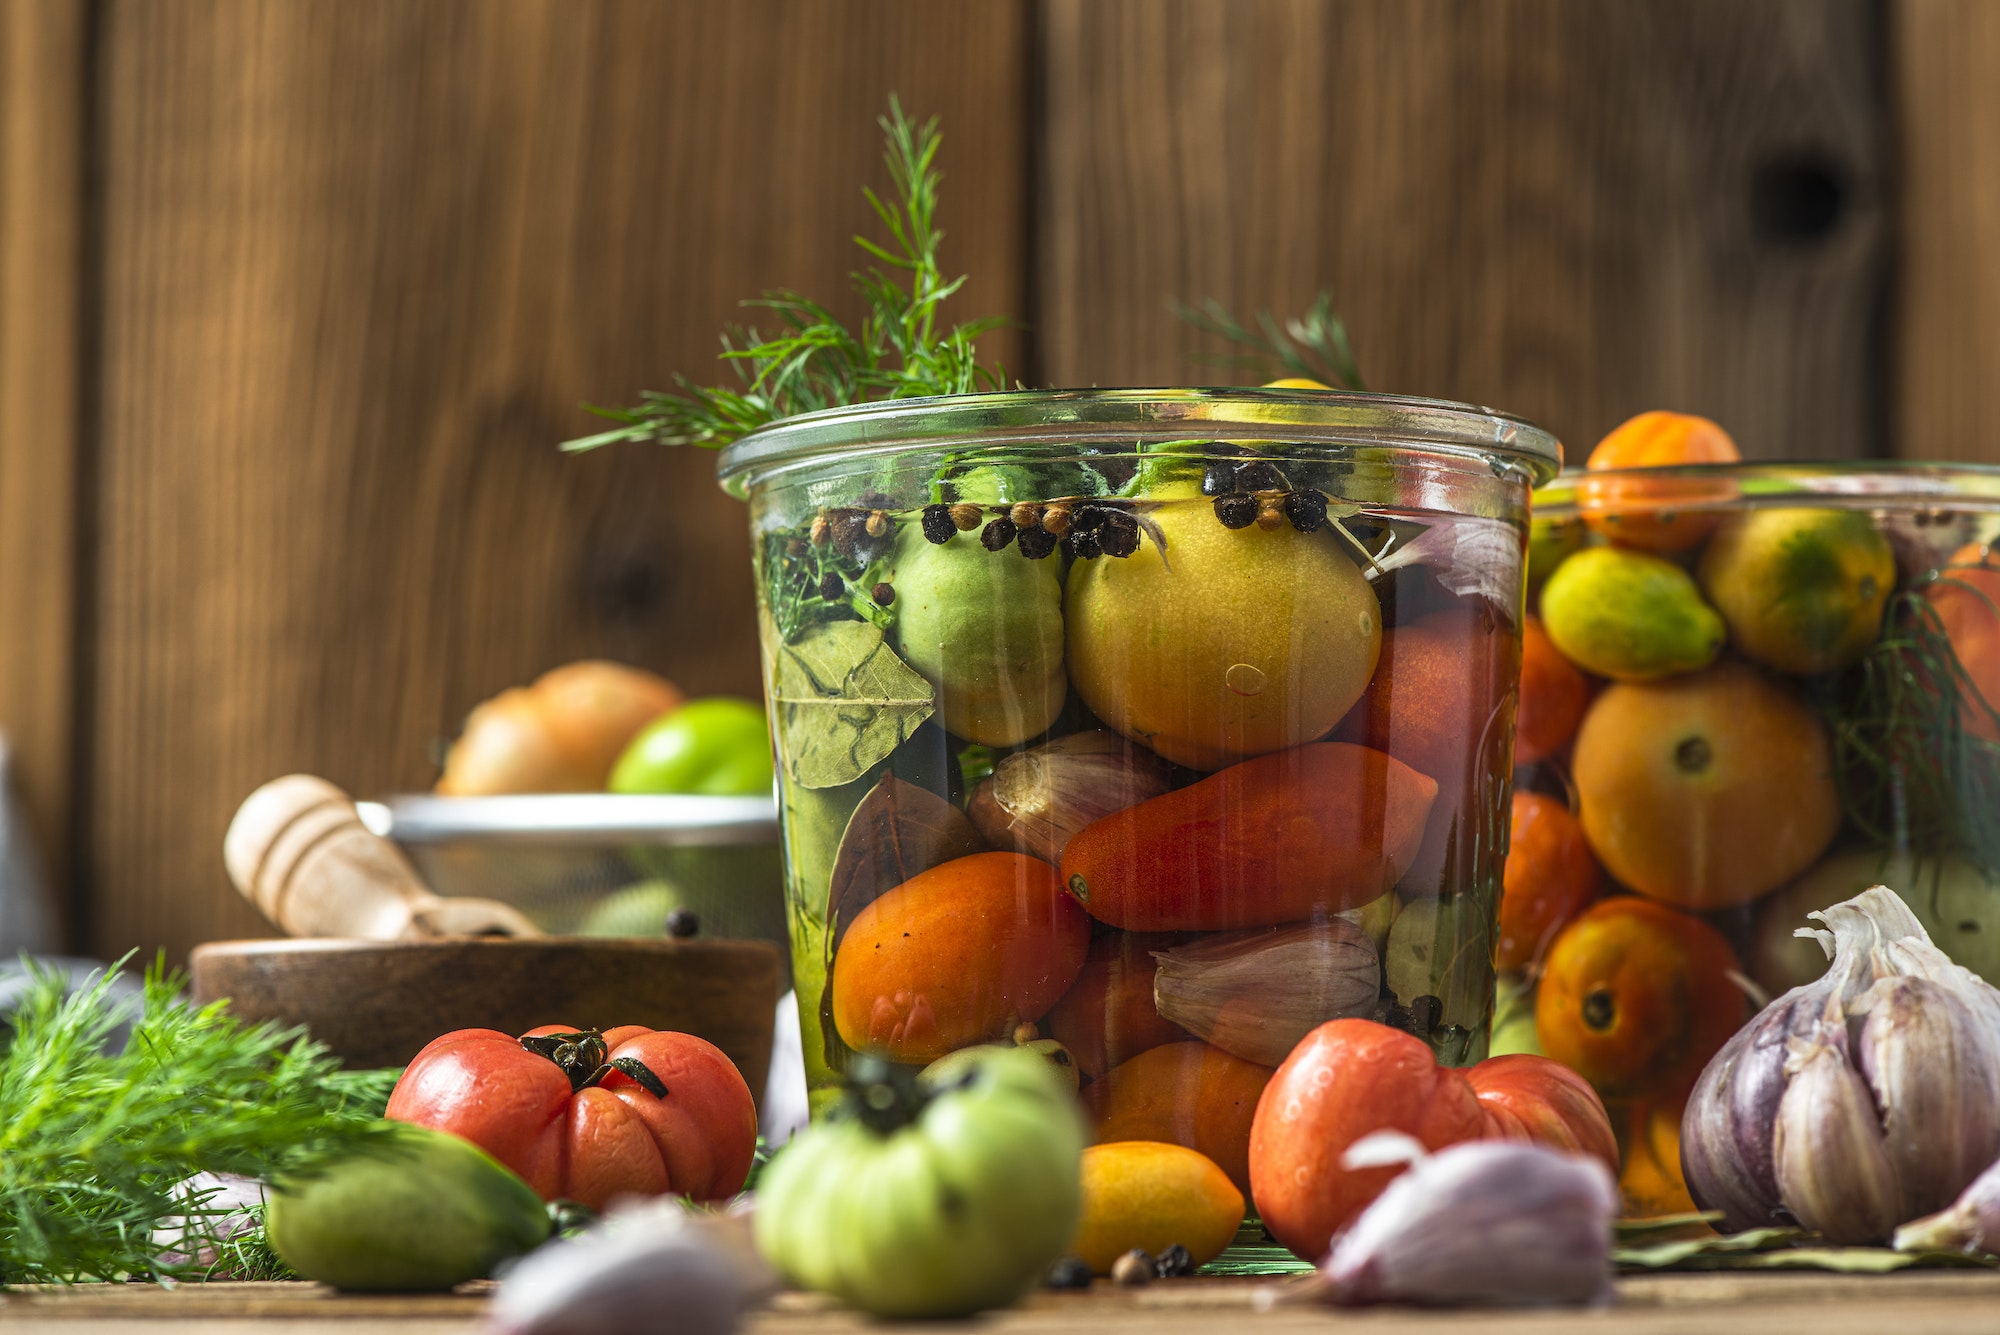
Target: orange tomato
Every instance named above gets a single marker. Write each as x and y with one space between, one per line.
1280 838
1436 703
1967 599
1549 876
1554 694
953 955
1636 997
1108 1015
1651 1183
1650 512
1188 1094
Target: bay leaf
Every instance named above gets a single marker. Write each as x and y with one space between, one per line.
1676 1255
844 701
896 832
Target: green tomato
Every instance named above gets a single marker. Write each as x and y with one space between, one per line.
716 747
420 1211
930 1200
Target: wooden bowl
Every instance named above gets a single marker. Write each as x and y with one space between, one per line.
375 1003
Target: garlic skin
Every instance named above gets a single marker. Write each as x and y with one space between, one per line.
1482 1222
655 1266
1036 800
1971 1224
1832 1169
1256 993
220 1206
1856 1101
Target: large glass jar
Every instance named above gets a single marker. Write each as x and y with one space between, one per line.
1748 692
1152 727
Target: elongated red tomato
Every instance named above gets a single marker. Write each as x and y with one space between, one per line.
1316 829
586 1116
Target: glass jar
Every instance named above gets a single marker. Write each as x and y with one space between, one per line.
1151 727
1748 692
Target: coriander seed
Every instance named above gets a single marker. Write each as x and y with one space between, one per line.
1025 515
877 524
1056 518
820 530
1133 1269
1271 512
965 516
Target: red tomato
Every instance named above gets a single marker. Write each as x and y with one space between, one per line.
574 1114
1524 1097
1346 1079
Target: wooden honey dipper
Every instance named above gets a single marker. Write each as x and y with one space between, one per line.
297 850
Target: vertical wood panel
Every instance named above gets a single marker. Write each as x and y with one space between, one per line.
41 189
1947 347
1573 211
362 263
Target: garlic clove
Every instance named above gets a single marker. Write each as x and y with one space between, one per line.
1256 993
1731 1117
651 1267
1482 1222
1971 1224
1934 1070
1832 1167
1036 800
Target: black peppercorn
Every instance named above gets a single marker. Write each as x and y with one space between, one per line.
1118 534
1306 510
683 923
1176 1262
850 528
937 523
1084 546
795 547
1088 517
1071 1272
883 594
1035 543
1259 475
1236 510
1218 479
832 587
1425 1012
997 534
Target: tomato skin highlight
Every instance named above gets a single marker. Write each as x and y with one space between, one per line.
1320 828
605 1140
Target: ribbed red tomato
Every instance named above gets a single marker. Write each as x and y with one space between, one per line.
588 1116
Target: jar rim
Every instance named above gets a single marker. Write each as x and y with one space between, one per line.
1838 483
1030 417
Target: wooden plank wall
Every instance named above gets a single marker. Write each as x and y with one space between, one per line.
348 271
362 264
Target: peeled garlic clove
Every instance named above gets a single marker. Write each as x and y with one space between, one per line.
1255 994
1482 1222
1833 1169
1036 800
1971 1224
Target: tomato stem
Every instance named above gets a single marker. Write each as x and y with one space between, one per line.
585 1059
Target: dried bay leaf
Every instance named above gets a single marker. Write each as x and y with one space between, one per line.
896 832
845 701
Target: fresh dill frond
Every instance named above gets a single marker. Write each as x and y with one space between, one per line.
1910 773
1313 346
813 360
94 1140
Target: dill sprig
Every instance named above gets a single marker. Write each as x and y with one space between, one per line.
1909 773
93 1139
815 361
1313 346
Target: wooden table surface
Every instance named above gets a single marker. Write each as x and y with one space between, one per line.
1766 1304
